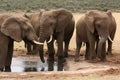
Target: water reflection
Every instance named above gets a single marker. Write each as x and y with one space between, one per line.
22 65
30 69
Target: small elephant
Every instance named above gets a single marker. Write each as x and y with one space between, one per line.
56 25
92 27
13 29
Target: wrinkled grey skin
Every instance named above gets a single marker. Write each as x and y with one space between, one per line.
89 28
13 29
60 24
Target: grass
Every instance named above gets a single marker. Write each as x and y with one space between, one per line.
73 5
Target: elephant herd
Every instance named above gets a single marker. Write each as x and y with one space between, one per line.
94 28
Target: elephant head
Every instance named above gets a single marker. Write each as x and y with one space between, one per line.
19 28
53 21
98 22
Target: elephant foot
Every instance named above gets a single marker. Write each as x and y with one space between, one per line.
77 59
1 69
50 62
109 53
93 60
29 53
50 65
61 62
65 55
99 56
81 54
86 58
103 60
7 69
60 66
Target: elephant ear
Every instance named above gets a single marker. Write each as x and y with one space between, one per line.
11 27
28 16
89 17
62 17
60 23
109 13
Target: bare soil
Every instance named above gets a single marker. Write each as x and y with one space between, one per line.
81 70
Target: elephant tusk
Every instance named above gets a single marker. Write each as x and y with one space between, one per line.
39 43
110 38
50 39
99 37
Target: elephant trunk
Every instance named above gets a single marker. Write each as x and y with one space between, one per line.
42 40
41 52
100 45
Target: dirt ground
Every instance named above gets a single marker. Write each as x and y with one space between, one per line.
81 70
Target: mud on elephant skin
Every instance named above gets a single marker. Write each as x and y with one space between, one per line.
92 27
56 25
13 29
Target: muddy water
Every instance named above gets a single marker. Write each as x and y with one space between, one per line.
25 64
34 64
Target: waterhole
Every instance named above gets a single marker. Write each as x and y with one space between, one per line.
34 64
24 64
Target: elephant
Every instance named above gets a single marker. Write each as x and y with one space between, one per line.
56 25
93 29
13 29
35 21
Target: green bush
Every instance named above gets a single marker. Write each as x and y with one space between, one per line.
73 5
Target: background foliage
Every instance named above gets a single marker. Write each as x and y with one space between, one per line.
73 5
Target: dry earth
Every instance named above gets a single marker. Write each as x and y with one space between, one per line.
81 70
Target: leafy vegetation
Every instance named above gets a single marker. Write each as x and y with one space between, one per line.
73 5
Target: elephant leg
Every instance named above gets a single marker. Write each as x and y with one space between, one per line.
34 49
103 54
67 41
92 52
9 57
78 47
51 52
3 53
96 46
92 47
109 50
66 49
60 51
87 54
29 48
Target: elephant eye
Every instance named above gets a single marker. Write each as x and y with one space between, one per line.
27 29
98 25
51 24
